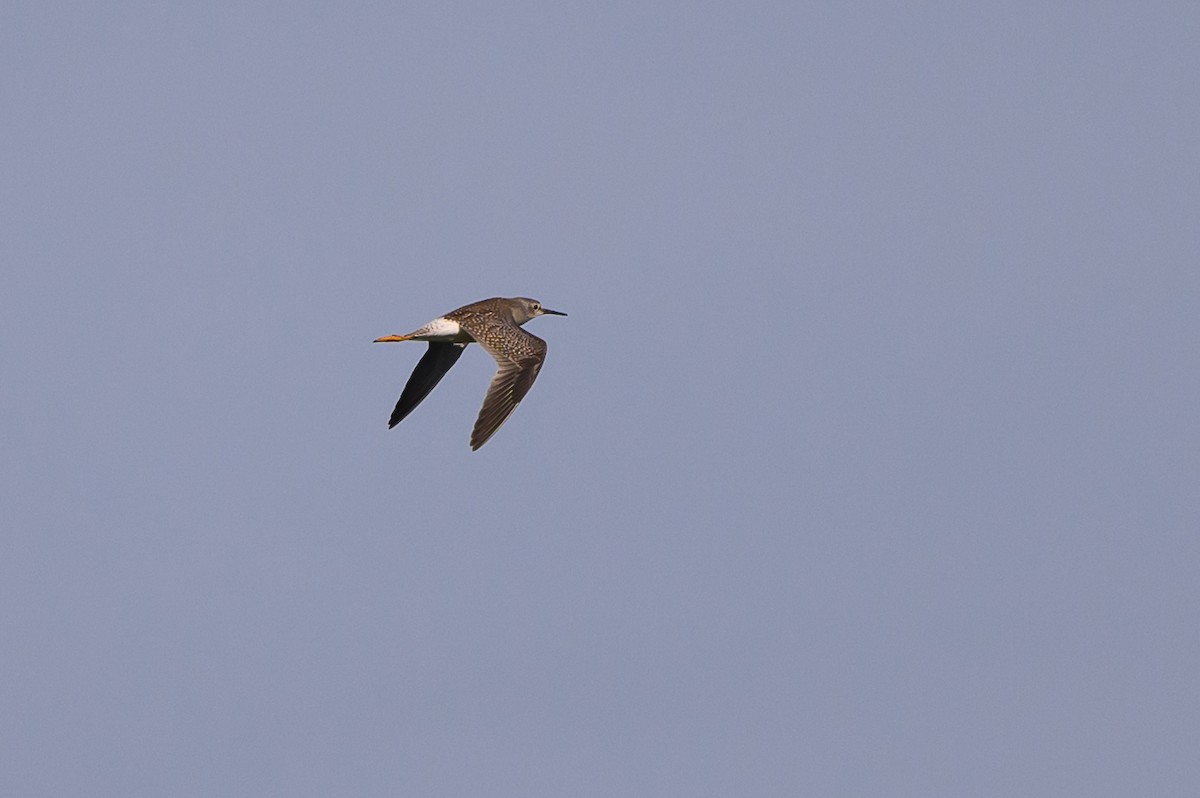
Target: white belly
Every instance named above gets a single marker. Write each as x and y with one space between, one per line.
443 330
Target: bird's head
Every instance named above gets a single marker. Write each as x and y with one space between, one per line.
526 309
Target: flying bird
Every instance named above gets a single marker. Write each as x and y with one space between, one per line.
494 324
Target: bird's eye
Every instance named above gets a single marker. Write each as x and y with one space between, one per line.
536 306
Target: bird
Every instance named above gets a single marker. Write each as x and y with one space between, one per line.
494 324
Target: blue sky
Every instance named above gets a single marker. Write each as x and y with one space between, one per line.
865 463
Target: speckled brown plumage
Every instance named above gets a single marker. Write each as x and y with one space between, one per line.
495 324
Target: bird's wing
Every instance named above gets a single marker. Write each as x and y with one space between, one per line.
519 356
434 364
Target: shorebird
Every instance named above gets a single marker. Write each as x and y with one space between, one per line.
494 324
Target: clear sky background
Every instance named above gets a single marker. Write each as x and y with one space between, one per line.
866 462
